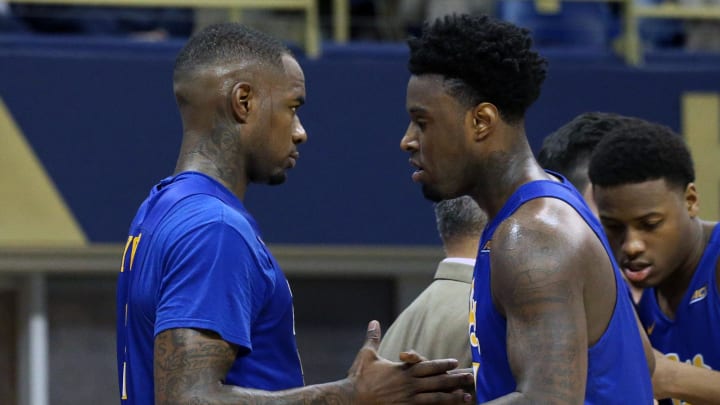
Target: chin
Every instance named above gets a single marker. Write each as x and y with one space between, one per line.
276 179
432 194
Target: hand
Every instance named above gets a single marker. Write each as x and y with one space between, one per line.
412 357
415 381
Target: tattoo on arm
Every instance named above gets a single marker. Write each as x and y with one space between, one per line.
189 361
546 327
190 368
544 331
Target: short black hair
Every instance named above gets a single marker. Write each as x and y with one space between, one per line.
639 152
567 150
482 60
228 42
459 217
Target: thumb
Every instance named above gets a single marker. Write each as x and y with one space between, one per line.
372 342
374 333
411 357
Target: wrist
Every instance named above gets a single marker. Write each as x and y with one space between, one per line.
664 378
348 387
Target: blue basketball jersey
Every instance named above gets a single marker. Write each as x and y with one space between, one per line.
694 335
195 259
617 367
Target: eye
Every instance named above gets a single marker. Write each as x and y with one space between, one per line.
421 124
612 227
651 225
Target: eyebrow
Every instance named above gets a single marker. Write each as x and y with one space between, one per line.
300 100
417 110
640 218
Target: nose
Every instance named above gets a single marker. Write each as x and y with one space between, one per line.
633 245
299 135
409 143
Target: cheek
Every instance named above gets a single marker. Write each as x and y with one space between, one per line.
615 244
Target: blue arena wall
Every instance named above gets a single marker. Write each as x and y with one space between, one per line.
100 116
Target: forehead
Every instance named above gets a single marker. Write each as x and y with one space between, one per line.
294 78
428 92
292 69
636 199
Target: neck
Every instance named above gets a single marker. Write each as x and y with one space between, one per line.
215 154
503 171
464 247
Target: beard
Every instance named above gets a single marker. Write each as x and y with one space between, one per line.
432 194
277 178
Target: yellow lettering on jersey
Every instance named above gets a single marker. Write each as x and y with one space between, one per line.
698 361
476 367
135 242
127 245
699 294
471 317
672 356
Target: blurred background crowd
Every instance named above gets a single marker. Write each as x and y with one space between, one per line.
553 23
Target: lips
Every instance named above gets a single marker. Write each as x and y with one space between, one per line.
293 159
637 271
417 174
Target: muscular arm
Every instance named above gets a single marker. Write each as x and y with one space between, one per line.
537 285
190 366
678 380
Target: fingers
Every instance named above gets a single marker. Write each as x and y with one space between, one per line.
432 367
455 397
468 370
411 357
444 383
368 352
374 333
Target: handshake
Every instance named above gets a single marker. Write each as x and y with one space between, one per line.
415 380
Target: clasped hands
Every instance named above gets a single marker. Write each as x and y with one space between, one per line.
413 380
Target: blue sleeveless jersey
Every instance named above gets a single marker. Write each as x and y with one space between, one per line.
195 259
694 335
617 367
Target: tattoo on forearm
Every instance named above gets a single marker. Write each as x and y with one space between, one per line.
190 367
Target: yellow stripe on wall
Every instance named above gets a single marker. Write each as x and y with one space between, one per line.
701 129
32 211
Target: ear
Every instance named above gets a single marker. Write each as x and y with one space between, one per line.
692 202
484 118
240 97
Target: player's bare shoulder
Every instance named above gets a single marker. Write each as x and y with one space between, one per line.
544 229
545 244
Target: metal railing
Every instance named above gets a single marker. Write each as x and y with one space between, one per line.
630 44
312 36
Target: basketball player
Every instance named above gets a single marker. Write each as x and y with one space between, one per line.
551 320
567 151
204 312
643 179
